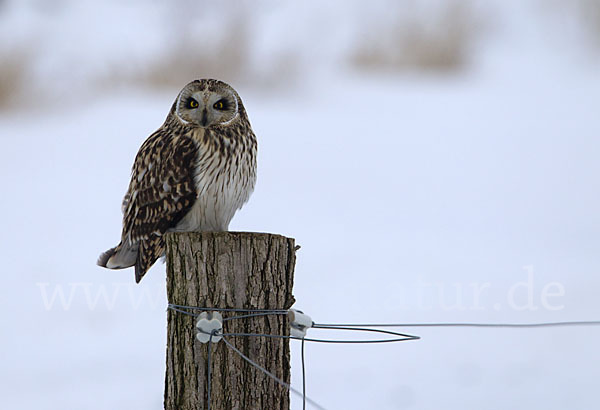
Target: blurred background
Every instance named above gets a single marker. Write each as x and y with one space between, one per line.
437 161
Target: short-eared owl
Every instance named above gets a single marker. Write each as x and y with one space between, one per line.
192 174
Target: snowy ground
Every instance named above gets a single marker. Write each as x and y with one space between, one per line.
415 199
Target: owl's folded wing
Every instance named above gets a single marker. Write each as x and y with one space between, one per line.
161 192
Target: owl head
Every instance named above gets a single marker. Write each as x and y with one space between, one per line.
207 103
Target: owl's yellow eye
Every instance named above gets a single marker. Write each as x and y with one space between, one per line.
219 105
192 103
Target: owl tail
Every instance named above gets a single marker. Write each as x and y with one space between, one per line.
120 257
149 251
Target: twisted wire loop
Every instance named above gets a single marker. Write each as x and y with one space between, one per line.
394 336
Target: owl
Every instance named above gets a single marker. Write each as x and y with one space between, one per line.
192 174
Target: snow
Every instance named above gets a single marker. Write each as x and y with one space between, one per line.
416 198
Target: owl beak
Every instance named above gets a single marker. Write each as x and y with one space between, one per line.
204 120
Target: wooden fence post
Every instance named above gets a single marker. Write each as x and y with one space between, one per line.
228 270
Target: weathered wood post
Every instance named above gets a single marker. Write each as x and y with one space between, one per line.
228 270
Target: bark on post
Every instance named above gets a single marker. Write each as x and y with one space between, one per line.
228 270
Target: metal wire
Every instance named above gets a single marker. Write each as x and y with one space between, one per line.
213 309
303 379
399 337
271 375
209 375
265 312
287 385
466 324
361 327
185 312
253 315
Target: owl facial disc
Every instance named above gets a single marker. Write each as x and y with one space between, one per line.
202 105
